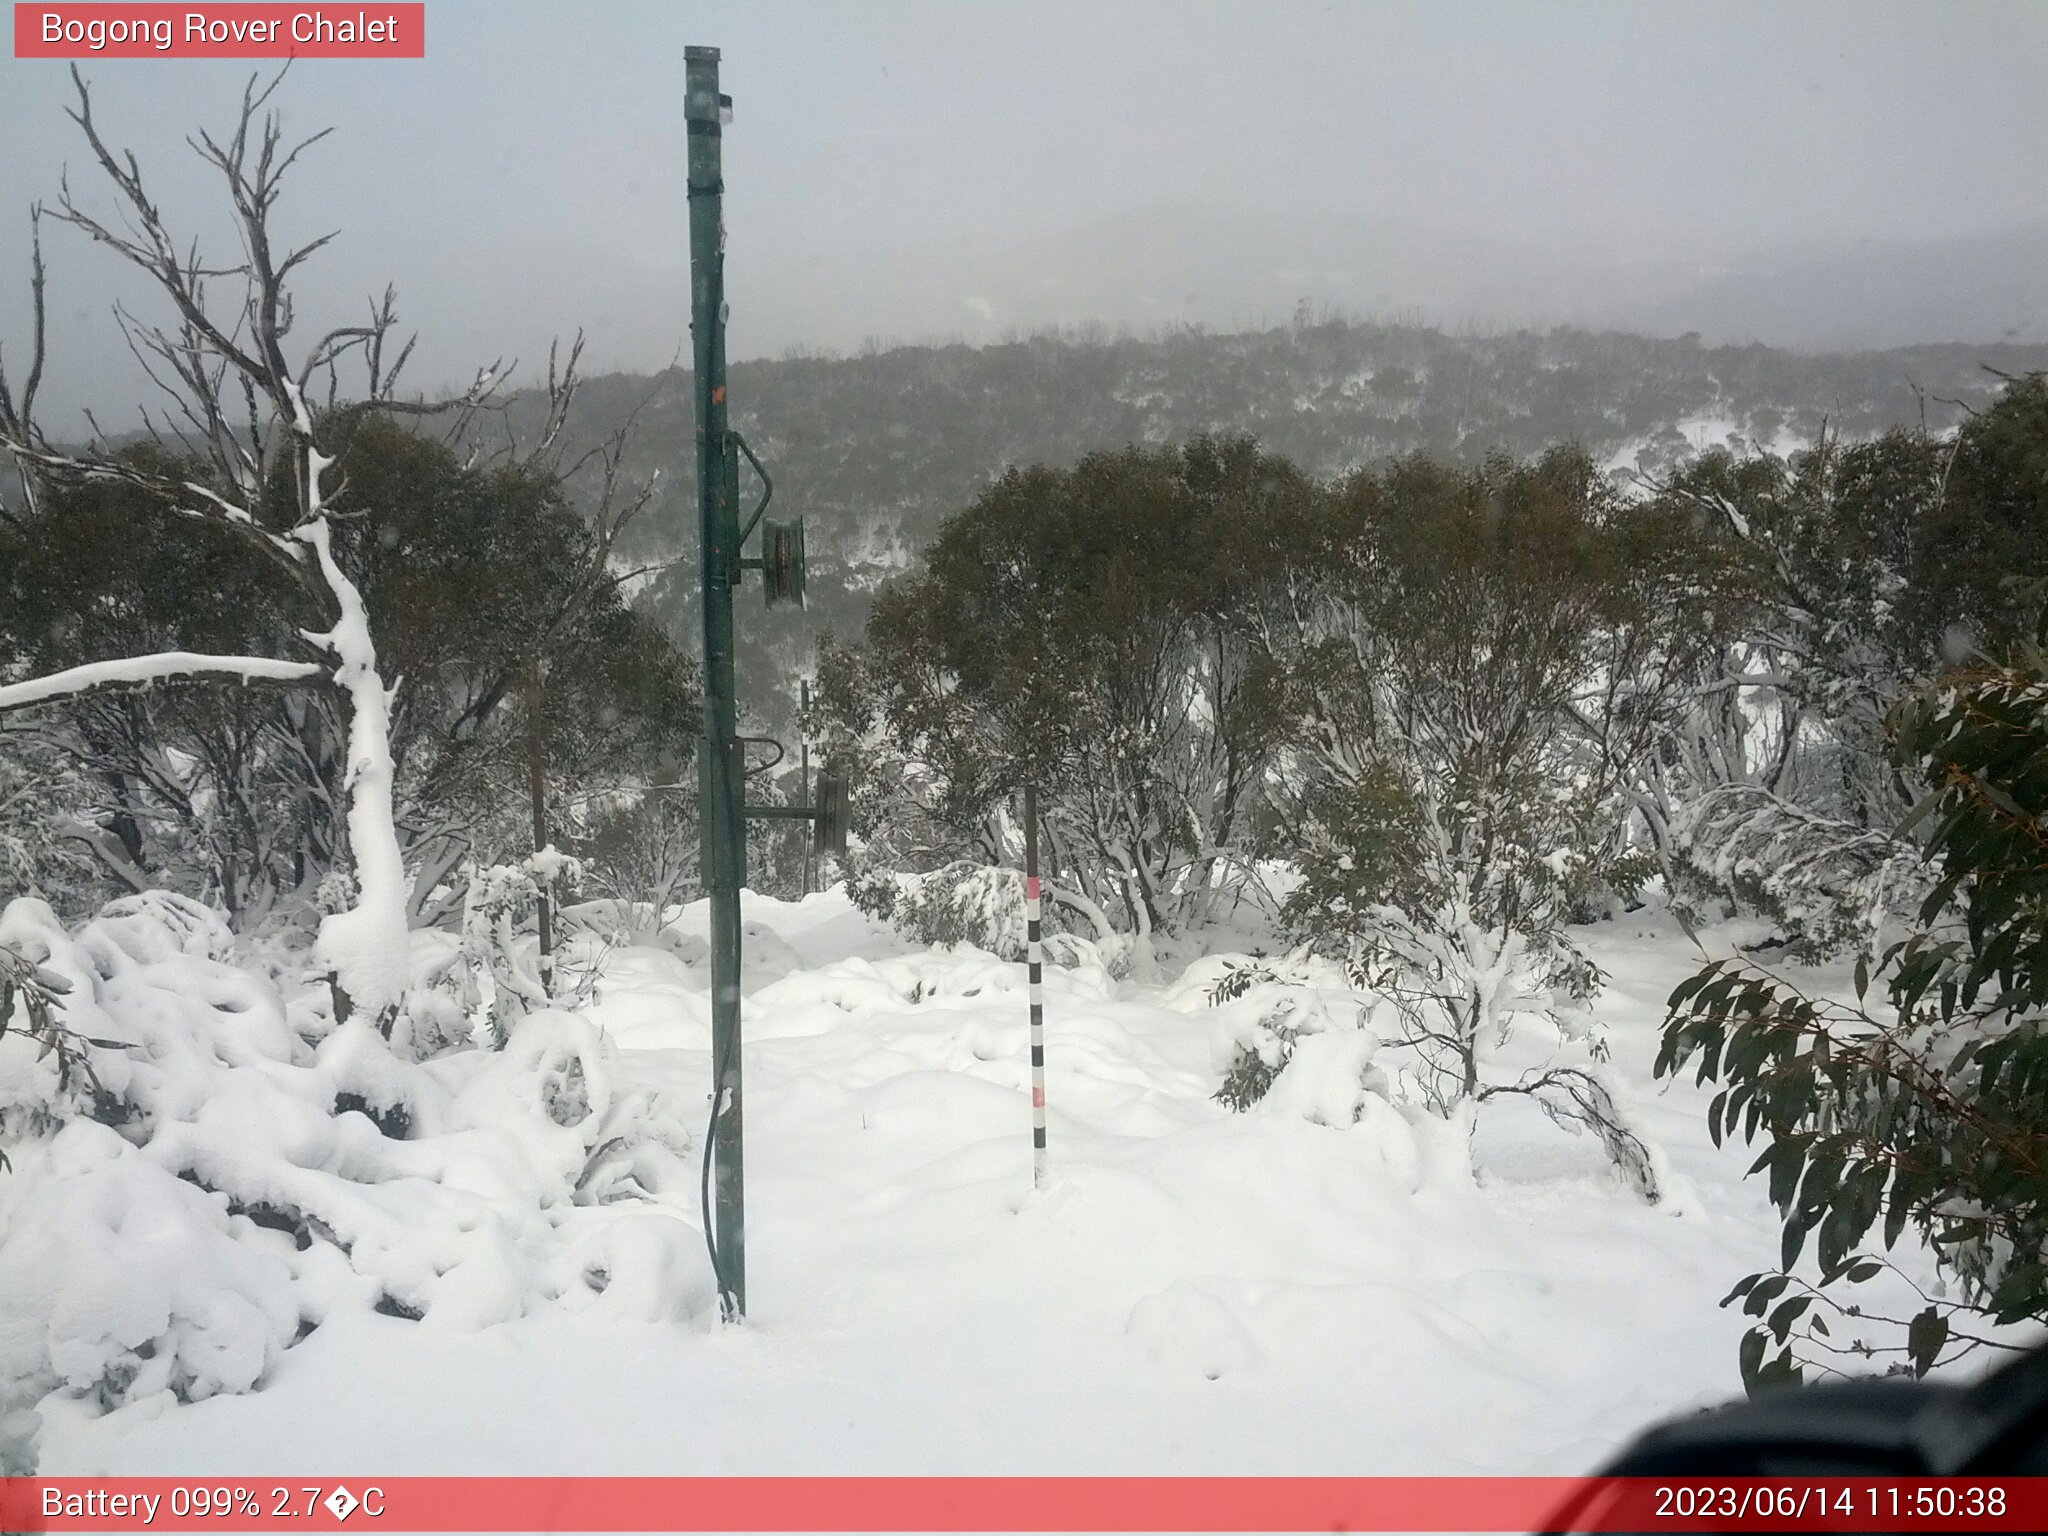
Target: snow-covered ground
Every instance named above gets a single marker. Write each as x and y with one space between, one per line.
1198 1291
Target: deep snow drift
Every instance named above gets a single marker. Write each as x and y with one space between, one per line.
496 1266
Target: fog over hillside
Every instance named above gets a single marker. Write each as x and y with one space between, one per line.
1821 176
1195 265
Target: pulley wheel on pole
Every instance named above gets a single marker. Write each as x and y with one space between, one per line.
782 562
832 818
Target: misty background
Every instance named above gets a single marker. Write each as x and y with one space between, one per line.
1818 176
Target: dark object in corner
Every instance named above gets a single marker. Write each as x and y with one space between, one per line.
1890 1427
1885 1427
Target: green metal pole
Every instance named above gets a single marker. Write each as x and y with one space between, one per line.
721 831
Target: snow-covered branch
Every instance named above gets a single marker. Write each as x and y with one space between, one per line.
143 671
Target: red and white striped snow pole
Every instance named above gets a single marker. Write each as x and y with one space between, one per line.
1035 957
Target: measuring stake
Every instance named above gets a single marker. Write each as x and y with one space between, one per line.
1036 958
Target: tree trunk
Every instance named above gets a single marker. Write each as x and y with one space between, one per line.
537 785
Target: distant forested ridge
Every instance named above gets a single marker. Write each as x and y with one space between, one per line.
876 450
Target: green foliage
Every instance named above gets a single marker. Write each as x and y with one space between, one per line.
1988 533
1259 1060
1249 1077
643 849
468 571
1931 1110
962 903
234 793
1085 628
171 783
38 856
1462 689
32 1002
1284 1001
1855 572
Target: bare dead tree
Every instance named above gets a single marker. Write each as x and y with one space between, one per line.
239 405
234 399
17 417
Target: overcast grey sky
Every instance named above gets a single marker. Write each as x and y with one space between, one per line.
935 168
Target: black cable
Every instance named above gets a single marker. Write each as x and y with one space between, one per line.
720 1067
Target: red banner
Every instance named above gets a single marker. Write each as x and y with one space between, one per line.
1006 1504
215 31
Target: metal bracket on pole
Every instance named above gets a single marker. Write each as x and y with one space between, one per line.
781 561
827 815
767 486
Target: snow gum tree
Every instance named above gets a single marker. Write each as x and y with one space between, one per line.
235 795
473 573
1859 570
1086 628
1467 655
246 408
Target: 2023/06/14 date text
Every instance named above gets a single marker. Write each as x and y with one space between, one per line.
1893 1499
